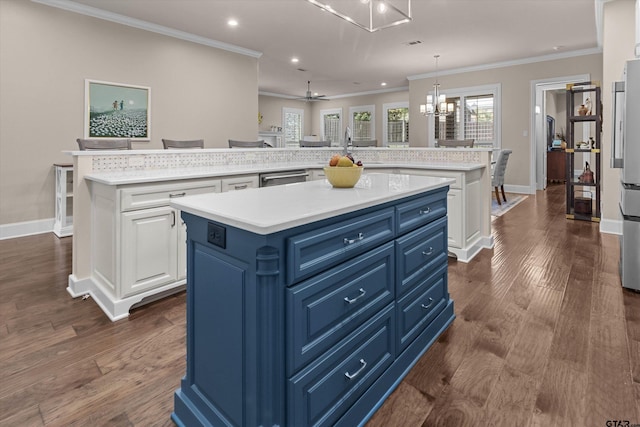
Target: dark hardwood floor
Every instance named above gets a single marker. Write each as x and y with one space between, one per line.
544 336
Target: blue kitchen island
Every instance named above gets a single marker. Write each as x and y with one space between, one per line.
308 304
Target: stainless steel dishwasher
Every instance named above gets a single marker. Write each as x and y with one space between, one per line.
281 178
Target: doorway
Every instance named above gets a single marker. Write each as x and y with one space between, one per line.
542 90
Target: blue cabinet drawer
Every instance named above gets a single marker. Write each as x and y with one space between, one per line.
416 213
333 304
320 394
314 251
420 306
418 253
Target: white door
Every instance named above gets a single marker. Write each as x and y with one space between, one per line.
149 249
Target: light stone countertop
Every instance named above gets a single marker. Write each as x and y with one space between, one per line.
302 203
158 175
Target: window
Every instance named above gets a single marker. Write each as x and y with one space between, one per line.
293 120
395 125
331 125
362 122
475 116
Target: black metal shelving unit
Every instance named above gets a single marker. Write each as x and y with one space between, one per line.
590 127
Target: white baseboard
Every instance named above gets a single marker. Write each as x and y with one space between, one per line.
518 189
611 226
466 255
27 228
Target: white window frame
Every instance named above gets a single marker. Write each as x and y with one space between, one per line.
290 110
385 115
493 89
371 109
325 113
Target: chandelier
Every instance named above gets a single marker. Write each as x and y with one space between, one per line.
370 15
437 102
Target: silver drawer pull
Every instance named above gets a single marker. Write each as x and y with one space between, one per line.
352 300
352 241
174 195
429 252
240 187
427 307
425 211
356 373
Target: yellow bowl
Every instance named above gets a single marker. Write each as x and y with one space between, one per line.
343 177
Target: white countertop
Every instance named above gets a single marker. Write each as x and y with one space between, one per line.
157 175
297 204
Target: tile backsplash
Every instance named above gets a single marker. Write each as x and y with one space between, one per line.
147 160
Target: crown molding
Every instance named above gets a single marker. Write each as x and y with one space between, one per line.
523 61
147 26
344 95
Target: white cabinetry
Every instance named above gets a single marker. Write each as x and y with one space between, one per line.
138 242
241 182
316 174
150 250
63 224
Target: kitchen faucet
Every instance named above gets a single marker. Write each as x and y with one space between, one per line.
347 140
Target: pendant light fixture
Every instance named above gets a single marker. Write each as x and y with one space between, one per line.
370 15
437 102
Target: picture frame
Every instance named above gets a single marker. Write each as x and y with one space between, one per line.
117 110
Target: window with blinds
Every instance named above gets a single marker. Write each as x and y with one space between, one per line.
332 125
293 120
398 126
362 122
475 116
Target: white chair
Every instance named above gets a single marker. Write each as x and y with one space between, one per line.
497 177
193 143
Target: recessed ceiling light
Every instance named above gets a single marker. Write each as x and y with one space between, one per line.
295 60
232 22
383 84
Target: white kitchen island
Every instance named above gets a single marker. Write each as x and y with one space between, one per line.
310 312
128 247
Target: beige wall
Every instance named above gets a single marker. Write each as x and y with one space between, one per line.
617 46
516 103
46 53
377 100
271 109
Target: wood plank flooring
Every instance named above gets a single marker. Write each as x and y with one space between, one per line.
544 336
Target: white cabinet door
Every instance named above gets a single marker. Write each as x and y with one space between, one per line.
149 249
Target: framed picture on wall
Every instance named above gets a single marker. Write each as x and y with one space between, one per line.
116 110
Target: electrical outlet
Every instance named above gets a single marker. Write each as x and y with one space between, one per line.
217 235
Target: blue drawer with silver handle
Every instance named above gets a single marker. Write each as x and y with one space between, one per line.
420 306
321 393
332 304
314 251
420 252
416 213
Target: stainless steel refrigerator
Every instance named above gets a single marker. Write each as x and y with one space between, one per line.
626 155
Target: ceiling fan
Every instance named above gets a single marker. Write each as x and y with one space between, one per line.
311 98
